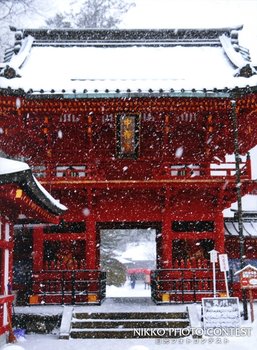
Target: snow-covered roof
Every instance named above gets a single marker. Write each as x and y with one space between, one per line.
8 166
104 62
249 224
249 266
16 172
144 251
249 228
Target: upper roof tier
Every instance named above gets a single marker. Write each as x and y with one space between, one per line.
100 62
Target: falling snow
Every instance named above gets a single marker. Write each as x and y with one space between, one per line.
86 212
179 152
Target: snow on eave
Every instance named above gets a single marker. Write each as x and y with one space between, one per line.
8 166
11 69
235 57
18 60
49 196
12 171
246 267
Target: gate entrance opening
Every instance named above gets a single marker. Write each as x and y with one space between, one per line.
127 251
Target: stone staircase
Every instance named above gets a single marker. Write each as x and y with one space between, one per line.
121 325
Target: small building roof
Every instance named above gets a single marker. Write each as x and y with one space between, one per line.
249 224
19 173
249 228
99 62
249 266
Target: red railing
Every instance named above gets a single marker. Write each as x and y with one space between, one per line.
5 312
210 170
69 171
68 287
183 285
163 171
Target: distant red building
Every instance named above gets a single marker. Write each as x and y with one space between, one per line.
130 128
21 198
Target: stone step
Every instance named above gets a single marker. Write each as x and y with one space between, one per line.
115 321
132 323
130 315
129 333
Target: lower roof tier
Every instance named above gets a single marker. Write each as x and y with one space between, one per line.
21 193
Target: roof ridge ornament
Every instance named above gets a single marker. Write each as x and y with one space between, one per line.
241 62
246 72
9 72
11 69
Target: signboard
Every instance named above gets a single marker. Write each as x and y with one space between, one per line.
213 259
224 267
221 313
223 260
248 278
213 256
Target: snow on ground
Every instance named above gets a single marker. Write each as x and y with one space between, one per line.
126 290
115 303
49 342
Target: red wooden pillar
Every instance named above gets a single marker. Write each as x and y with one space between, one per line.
166 250
11 236
6 248
38 248
2 267
219 238
2 272
249 165
91 244
6 255
92 262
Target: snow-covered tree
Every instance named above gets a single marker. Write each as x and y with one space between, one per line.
10 8
93 14
115 271
60 20
11 11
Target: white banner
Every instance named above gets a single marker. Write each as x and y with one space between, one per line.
223 260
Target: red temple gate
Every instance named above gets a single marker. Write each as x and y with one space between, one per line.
155 157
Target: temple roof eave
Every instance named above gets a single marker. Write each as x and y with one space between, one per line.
235 92
34 190
137 63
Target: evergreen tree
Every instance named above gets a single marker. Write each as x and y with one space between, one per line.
115 271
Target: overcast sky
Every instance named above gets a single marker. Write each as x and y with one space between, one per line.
168 13
191 13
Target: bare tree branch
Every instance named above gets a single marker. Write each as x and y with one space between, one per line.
8 8
10 12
